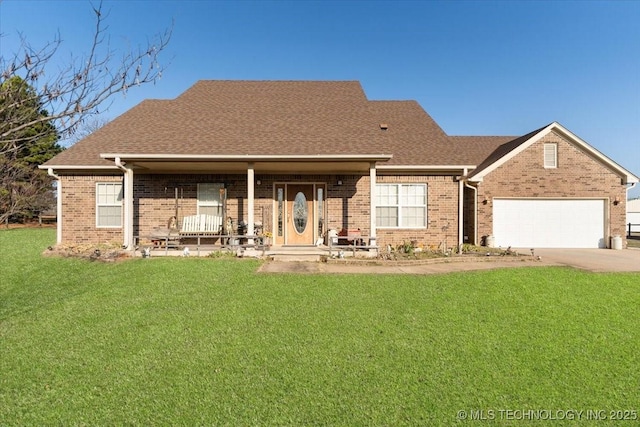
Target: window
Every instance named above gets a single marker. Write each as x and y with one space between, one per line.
401 205
109 204
210 199
280 197
551 156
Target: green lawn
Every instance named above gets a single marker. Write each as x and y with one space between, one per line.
187 341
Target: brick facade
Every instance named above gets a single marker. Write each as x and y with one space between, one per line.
577 175
79 210
442 213
347 204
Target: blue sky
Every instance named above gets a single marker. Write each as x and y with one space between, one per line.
477 67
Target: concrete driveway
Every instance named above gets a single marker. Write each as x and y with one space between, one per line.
596 260
600 260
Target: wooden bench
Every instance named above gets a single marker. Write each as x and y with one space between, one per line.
202 225
47 218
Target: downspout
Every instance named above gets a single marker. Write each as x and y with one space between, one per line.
58 205
475 212
475 207
128 204
461 209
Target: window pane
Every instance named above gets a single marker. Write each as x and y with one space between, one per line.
109 204
413 195
109 194
387 216
320 211
280 211
300 212
550 155
209 194
109 216
413 217
211 210
387 194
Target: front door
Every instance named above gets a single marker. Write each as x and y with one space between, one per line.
300 216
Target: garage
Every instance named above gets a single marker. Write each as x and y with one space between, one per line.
549 223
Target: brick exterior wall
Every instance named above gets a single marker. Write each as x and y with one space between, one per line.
79 210
347 204
577 175
442 213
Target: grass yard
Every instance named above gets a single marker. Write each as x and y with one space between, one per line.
187 341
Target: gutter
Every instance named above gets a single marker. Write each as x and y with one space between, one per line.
246 157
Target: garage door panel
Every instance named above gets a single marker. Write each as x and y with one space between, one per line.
544 223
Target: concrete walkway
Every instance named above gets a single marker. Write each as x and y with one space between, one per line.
596 260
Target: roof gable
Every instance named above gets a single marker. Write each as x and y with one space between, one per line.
510 149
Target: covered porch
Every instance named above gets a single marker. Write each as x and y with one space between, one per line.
295 201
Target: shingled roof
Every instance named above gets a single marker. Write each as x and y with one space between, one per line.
279 118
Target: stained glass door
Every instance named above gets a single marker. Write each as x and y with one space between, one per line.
300 217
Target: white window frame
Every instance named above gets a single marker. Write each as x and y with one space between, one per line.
217 202
400 206
550 156
110 203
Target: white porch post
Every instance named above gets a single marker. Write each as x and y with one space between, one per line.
250 197
128 208
461 212
372 202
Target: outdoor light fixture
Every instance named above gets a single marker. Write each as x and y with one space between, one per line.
339 182
258 182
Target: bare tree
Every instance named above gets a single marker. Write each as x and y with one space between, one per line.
68 96
88 126
40 105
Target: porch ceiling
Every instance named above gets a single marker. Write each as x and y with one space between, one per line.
289 167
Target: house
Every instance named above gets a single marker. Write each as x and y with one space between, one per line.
300 158
633 215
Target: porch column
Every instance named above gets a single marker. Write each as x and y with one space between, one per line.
372 203
128 208
460 212
250 197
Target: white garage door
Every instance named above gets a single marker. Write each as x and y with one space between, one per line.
545 223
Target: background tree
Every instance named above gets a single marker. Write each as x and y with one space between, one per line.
41 104
24 189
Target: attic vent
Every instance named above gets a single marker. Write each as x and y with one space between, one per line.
384 126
